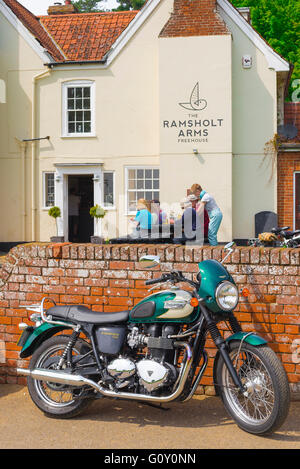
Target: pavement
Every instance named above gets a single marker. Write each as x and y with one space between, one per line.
201 423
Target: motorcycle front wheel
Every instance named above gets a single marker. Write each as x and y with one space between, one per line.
56 400
264 406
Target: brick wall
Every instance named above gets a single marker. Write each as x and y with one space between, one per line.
107 278
287 164
292 115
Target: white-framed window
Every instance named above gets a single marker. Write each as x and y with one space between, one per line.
109 189
48 189
142 182
78 107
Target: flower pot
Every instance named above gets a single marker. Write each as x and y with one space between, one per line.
57 239
97 240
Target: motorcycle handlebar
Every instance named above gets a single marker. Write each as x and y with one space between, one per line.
175 277
156 280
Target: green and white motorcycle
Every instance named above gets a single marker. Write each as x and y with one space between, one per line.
155 353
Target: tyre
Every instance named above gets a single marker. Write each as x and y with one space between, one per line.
265 405
56 400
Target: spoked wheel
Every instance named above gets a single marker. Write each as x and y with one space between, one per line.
56 400
264 406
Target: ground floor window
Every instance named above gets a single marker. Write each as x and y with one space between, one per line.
297 200
49 189
141 183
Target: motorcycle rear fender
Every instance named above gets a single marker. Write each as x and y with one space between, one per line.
252 339
36 336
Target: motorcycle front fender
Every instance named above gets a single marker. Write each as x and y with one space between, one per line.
32 337
250 338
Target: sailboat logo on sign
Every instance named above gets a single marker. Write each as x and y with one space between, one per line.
195 103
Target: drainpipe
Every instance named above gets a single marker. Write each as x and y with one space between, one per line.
23 146
37 77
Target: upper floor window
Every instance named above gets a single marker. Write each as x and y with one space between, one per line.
78 109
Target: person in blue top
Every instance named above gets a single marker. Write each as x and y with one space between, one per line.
206 201
142 219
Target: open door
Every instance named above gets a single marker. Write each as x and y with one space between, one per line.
80 200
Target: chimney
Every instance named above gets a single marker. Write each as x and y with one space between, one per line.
194 18
62 9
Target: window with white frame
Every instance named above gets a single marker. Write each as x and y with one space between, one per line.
49 189
78 109
142 183
108 189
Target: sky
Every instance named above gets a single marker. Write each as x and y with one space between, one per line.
40 7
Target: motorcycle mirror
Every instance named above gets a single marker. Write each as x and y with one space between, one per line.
229 246
147 261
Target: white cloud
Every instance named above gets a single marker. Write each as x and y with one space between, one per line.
40 7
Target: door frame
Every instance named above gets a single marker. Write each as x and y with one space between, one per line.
63 170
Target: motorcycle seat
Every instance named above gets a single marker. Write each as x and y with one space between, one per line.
82 314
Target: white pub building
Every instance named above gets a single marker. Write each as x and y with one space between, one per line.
117 106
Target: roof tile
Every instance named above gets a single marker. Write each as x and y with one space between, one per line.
32 23
86 36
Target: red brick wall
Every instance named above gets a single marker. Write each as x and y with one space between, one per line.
287 163
292 115
107 278
194 18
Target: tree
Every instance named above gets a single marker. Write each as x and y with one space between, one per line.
278 23
129 5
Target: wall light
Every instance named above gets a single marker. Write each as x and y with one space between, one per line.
195 151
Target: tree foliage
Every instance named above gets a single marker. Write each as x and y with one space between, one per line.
278 22
88 6
130 5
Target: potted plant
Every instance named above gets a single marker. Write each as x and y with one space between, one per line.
97 212
55 212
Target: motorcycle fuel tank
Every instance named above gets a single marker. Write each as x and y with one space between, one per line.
166 306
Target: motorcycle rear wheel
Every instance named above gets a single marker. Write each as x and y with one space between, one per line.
56 400
265 407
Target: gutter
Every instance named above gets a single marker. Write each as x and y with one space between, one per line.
76 62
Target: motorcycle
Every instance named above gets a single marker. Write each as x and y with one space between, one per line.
155 353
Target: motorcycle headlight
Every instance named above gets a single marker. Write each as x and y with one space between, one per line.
227 296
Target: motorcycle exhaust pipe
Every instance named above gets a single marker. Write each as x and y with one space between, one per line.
61 377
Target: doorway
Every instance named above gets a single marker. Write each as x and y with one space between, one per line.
80 200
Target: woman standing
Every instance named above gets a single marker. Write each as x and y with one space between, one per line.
207 202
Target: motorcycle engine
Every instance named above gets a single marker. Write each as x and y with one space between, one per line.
153 371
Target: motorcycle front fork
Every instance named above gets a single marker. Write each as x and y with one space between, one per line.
222 347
